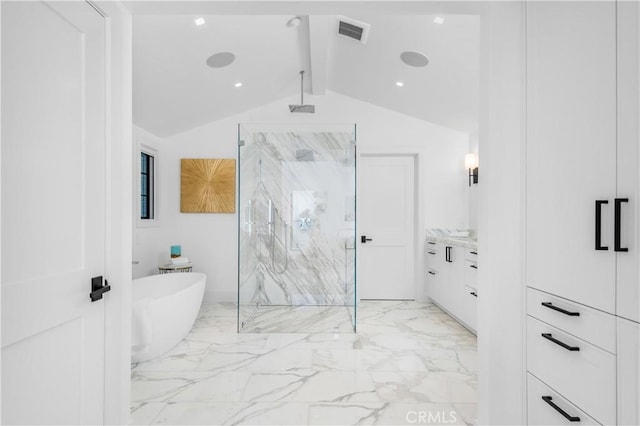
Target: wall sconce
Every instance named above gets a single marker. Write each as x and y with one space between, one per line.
471 164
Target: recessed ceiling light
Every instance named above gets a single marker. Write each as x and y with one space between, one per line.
399 83
238 84
199 21
220 60
438 20
414 59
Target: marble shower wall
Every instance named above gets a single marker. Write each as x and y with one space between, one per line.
306 255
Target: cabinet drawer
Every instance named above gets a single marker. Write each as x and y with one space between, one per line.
540 412
471 254
596 327
471 274
469 312
587 376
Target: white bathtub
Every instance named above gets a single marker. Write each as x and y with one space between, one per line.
164 309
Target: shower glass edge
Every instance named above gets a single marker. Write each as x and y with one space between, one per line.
296 228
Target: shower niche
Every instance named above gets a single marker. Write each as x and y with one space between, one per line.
296 228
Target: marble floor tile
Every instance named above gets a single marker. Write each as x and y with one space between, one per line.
408 362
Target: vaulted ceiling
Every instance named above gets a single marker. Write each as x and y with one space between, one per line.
175 90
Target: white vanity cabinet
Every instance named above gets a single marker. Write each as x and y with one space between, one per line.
582 211
452 281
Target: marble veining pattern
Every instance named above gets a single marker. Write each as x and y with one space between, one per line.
297 229
408 359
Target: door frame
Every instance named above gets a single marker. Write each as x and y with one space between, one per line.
418 203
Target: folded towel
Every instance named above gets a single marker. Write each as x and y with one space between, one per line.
180 260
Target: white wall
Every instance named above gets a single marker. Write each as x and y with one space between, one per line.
148 251
501 297
210 240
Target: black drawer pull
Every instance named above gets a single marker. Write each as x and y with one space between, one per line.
473 266
548 336
599 245
548 399
473 252
431 242
474 294
431 273
564 311
431 252
618 224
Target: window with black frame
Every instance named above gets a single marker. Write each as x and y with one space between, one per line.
146 185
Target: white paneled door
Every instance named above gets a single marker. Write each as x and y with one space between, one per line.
53 212
386 234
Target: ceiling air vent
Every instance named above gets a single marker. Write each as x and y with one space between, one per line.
351 28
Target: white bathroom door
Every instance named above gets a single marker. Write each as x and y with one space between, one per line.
386 220
53 212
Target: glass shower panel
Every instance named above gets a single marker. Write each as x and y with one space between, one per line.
296 228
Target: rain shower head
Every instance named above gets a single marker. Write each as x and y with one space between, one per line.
302 107
305 155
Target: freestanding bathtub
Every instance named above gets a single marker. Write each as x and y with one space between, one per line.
164 308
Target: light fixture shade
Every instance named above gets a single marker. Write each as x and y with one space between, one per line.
470 161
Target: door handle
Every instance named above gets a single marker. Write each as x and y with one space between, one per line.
474 294
599 204
446 253
364 239
98 289
548 399
473 266
617 224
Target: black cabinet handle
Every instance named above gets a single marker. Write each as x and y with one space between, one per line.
548 336
431 273
364 239
431 252
564 311
447 255
617 224
474 294
431 242
473 266
548 399
473 252
599 204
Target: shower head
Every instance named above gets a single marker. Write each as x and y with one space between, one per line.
305 155
302 107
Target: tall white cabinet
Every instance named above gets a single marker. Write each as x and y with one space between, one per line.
582 211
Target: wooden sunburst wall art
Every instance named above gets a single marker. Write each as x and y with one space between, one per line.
207 185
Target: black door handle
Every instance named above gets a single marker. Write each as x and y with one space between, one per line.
548 399
431 273
364 239
564 311
98 289
474 294
617 224
447 254
473 266
548 336
599 204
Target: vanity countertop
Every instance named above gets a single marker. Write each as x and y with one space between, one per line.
443 236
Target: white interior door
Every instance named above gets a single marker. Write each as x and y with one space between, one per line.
386 216
53 212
